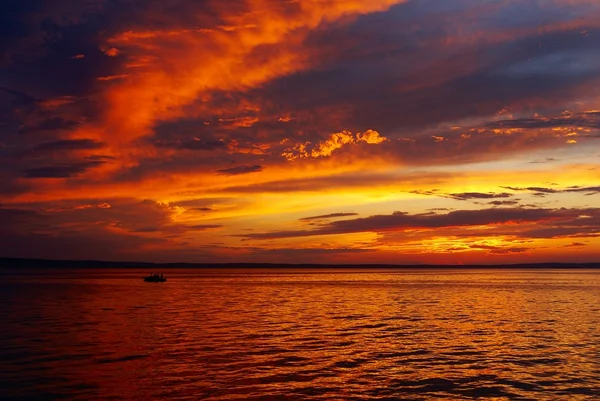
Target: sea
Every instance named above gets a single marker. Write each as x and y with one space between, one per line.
308 334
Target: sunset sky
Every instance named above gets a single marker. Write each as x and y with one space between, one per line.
300 131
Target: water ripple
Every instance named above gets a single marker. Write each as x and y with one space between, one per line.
302 335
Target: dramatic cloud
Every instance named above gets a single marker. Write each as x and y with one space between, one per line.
268 130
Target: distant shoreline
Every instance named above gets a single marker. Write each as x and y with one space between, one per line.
14 263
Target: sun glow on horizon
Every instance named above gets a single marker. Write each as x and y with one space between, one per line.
311 131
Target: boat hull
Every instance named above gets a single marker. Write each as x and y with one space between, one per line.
154 280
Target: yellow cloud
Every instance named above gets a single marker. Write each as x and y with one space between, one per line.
334 142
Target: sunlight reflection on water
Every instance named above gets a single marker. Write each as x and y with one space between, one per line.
277 334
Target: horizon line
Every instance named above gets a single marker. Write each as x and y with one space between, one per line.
19 262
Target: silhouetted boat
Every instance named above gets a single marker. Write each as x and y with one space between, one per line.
155 279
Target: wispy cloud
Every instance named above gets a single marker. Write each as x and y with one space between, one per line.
241 170
544 190
328 216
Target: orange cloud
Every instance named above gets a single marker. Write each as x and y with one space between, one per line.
204 125
371 137
334 142
112 77
261 42
57 102
111 51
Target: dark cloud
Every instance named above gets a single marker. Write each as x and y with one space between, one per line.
509 250
459 146
71 144
202 209
191 144
586 119
51 124
30 28
241 170
46 35
541 191
504 203
415 95
63 170
199 144
432 192
87 215
202 227
477 195
182 162
328 216
464 195
533 189
568 229
401 221
564 223
188 134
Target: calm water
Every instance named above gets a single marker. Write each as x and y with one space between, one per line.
302 335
